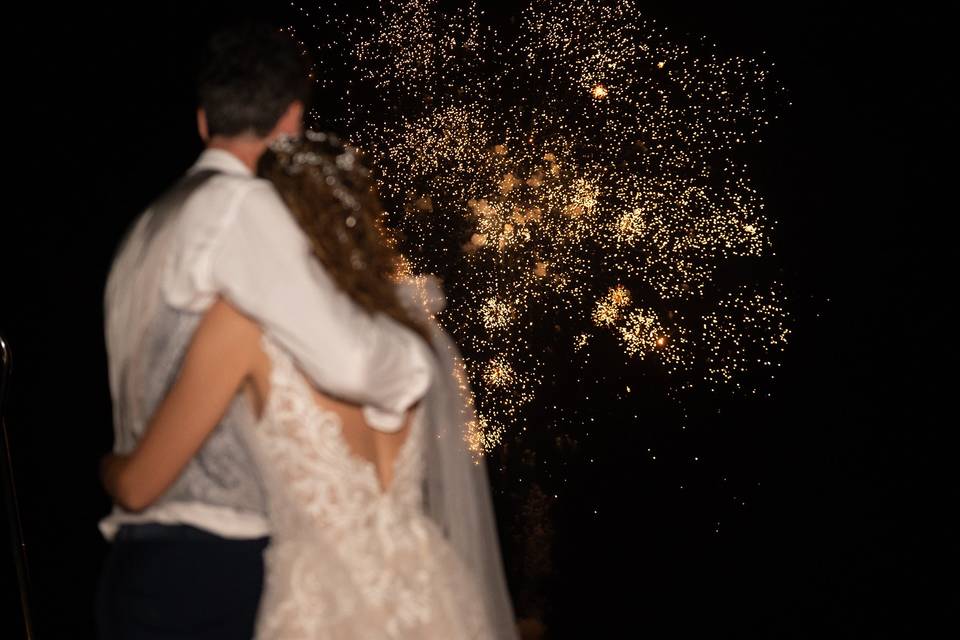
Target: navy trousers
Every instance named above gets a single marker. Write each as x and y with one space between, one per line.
169 582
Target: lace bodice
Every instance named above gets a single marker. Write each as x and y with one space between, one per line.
347 558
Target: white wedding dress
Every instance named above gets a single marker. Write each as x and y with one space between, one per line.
348 559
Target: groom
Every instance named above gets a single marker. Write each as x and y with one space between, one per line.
190 565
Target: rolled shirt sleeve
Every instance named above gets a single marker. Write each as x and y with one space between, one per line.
422 296
263 264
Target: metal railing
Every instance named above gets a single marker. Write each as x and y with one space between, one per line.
19 547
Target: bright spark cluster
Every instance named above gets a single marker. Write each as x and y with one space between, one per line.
578 171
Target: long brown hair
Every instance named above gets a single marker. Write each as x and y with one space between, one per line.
330 191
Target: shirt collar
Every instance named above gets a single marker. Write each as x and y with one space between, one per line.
221 161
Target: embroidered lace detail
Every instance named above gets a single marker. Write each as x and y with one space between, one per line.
347 558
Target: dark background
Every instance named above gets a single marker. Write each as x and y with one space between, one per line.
833 496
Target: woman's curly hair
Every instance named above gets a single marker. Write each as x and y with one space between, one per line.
332 195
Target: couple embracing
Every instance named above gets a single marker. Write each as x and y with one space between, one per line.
290 455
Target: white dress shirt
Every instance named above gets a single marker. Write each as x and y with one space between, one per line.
258 258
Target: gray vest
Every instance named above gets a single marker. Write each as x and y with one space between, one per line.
223 472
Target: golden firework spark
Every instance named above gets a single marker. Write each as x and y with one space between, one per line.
514 171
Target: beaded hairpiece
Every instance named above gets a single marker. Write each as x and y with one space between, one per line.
294 159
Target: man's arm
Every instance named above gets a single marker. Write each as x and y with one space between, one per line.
264 265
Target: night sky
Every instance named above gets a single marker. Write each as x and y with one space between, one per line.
822 509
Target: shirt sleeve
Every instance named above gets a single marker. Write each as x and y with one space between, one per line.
263 265
422 296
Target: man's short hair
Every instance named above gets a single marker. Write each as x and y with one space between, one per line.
248 77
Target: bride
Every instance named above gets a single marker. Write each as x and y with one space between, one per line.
374 533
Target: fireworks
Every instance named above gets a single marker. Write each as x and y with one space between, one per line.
745 331
577 172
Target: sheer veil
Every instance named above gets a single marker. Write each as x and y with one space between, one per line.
457 488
